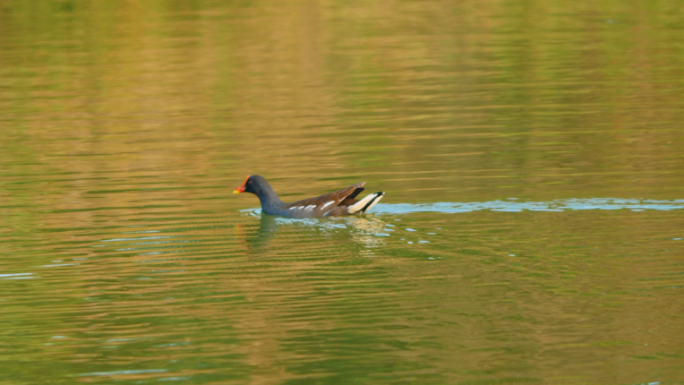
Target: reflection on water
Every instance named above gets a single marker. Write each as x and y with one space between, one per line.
363 230
125 125
391 295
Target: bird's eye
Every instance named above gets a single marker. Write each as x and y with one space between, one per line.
250 182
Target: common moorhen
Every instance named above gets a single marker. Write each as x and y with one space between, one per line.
336 203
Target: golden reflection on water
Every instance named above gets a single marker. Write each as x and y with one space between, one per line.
125 126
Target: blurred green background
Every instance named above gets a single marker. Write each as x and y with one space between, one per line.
125 125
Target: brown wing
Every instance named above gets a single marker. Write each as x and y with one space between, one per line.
326 202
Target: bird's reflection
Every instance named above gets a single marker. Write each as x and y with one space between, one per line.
268 227
368 231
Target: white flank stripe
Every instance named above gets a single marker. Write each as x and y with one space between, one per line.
310 207
327 204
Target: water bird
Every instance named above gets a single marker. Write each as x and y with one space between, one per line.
336 203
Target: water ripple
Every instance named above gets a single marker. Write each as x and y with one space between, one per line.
513 205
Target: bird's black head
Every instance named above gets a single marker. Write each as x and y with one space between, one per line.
253 184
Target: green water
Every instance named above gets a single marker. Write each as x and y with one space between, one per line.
531 154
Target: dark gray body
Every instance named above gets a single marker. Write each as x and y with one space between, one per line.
337 203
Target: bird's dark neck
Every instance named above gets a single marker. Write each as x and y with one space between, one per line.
269 199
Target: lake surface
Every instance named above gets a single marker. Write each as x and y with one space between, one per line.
531 153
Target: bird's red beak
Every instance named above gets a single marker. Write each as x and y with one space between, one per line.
241 189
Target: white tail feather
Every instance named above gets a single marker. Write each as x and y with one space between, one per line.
376 200
370 200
